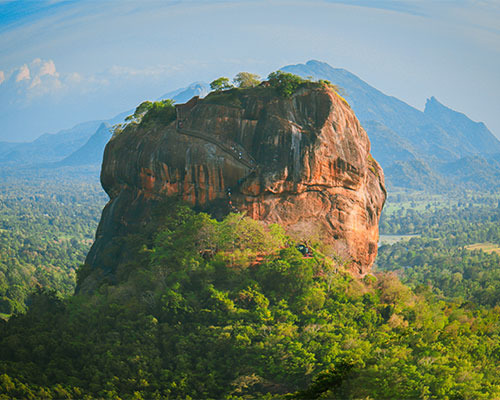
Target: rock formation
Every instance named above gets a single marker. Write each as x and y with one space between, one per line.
303 162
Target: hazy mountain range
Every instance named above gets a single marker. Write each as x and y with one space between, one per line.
436 148
84 143
418 149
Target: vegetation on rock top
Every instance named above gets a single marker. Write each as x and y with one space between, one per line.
162 111
279 83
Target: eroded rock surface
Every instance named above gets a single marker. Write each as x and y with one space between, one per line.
303 162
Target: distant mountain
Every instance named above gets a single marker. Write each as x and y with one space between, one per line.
434 148
401 134
387 146
183 95
48 147
414 174
477 138
79 145
478 172
6 147
91 152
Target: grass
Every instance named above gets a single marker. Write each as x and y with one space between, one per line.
486 247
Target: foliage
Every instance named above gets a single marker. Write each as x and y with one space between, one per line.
332 86
285 83
245 80
439 255
282 83
340 92
229 98
162 111
190 321
220 84
47 224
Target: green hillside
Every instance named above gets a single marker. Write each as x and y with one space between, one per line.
232 309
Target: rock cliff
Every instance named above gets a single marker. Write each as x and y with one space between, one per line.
303 162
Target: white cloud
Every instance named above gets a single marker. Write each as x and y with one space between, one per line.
48 68
23 74
35 82
40 78
29 81
41 85
39 81
38 73
39 68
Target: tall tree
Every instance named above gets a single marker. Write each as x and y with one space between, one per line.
220 84
246 80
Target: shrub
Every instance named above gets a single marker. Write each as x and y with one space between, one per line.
162 111
285 83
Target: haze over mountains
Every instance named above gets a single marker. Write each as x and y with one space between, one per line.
437 148
416 148
82 144
48 147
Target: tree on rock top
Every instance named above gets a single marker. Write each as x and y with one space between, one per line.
246 80
220 84
285 83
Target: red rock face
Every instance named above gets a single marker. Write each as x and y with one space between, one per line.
303 162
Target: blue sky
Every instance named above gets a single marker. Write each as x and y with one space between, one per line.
64 62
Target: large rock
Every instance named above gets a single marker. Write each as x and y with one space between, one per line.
303 162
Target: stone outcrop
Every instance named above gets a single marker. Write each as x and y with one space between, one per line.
303 162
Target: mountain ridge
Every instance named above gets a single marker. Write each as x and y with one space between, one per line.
91 152
418 144
55 148
436 136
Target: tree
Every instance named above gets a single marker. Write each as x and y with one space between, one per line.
141 110
246 80
285 83
162 111
221 84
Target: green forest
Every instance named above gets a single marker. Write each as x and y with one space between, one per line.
445 252
249 200
48 220
232 309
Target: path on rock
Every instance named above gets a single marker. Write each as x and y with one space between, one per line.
235 151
